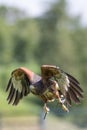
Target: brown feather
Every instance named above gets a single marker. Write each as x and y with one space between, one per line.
68 100
20 89
9 84
73 96
27 84
72 78
21 95
11 96
76 86
74 82
10 91
25 88
17 97
76 90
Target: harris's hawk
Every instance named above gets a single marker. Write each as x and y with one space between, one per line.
53 84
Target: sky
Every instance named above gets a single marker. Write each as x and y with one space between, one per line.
37 7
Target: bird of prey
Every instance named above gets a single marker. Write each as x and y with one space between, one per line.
53 84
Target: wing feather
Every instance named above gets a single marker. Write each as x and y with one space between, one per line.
68 99
72 78
73 95
10 91
75 85
77 91
18 85
68 85
17 98
11 96
9 84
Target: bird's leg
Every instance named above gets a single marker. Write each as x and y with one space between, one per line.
61 102
55 89
46 109
65 108
63 105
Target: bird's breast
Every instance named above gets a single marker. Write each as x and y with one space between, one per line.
51 90
49 95
37 88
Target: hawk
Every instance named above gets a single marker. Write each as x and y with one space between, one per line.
53 84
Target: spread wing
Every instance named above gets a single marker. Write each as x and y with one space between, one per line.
18 85
68 85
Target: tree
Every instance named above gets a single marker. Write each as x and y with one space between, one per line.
26 39
56 38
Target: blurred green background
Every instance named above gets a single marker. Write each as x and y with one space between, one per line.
53 38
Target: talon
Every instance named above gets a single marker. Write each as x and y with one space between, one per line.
45 115
46 109
65 108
